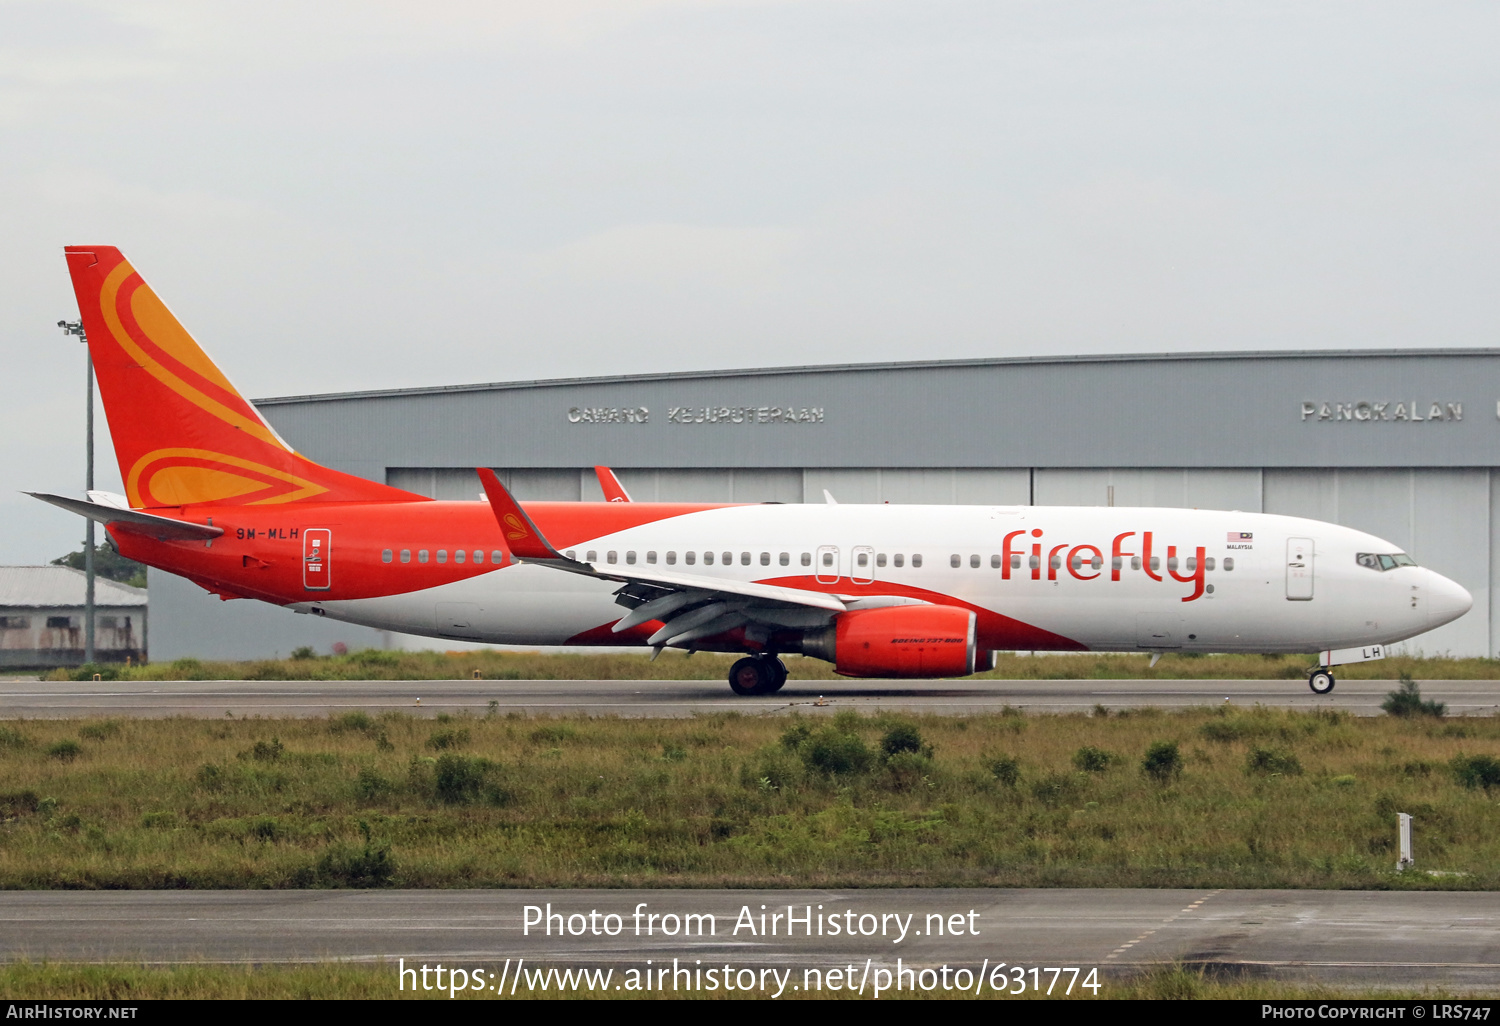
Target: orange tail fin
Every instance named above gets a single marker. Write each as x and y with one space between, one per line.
183 434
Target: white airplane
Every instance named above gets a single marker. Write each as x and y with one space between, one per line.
214 494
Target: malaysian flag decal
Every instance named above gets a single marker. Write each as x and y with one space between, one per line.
1241 536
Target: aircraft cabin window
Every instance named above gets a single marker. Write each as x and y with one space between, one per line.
1077 562
765 559
442 555
1135 562
1156 562
955 560
744 559
406 555
1015 561
571 554
828 559
611 557
708 559
1228 562
1171 563
807 559
459 555
591 556
880 559
1402 559
863 559
1097 563
421 555
898 559
785 559
651 556
1208 563
728 559
671 558
974 562
479 555
994 562
1035 562
386 556
1116 563
1192 564
1054 563
630 557
690 557
916 559
497 557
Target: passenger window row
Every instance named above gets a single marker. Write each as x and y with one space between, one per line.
862 559
690 558
459 556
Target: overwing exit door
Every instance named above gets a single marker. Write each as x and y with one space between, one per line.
317 547
827 569
1299 569
862 568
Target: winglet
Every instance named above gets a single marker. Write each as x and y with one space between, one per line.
610 485
521 535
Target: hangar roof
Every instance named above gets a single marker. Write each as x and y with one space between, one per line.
61 586
843 368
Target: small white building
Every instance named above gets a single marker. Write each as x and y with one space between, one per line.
42 618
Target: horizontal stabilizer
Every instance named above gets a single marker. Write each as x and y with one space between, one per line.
163 528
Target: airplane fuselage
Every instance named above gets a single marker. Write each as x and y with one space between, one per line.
1037 578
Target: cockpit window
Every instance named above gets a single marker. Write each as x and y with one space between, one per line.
1383 561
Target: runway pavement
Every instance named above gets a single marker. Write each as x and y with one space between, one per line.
1374 938
34 699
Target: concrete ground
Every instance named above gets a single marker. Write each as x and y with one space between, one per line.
33 699
1350 938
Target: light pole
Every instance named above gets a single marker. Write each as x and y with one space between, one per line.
76 328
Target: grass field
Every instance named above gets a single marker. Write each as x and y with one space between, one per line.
493 665
123 982
1256 798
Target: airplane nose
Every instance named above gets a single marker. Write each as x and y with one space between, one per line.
1446 600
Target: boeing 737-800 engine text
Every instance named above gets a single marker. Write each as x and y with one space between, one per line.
214 494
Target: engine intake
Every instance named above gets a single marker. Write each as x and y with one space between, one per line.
897 641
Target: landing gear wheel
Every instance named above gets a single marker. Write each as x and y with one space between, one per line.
778 674
751 677
1321 682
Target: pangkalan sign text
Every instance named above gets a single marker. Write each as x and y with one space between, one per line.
1409 412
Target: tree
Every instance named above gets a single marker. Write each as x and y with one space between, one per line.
108 563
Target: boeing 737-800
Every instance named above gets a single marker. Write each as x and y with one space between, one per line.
214 494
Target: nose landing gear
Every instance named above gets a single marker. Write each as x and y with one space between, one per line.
757 675
1321 681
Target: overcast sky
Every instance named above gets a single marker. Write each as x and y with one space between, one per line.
337 196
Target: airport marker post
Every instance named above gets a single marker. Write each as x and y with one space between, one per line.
1403 822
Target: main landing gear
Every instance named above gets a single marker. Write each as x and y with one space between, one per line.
757 675
1321 681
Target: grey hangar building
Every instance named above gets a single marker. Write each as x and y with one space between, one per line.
1404 444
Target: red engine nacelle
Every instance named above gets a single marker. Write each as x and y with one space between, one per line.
898 641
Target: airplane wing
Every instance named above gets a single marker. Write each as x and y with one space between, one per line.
691 606
161 528
610 485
